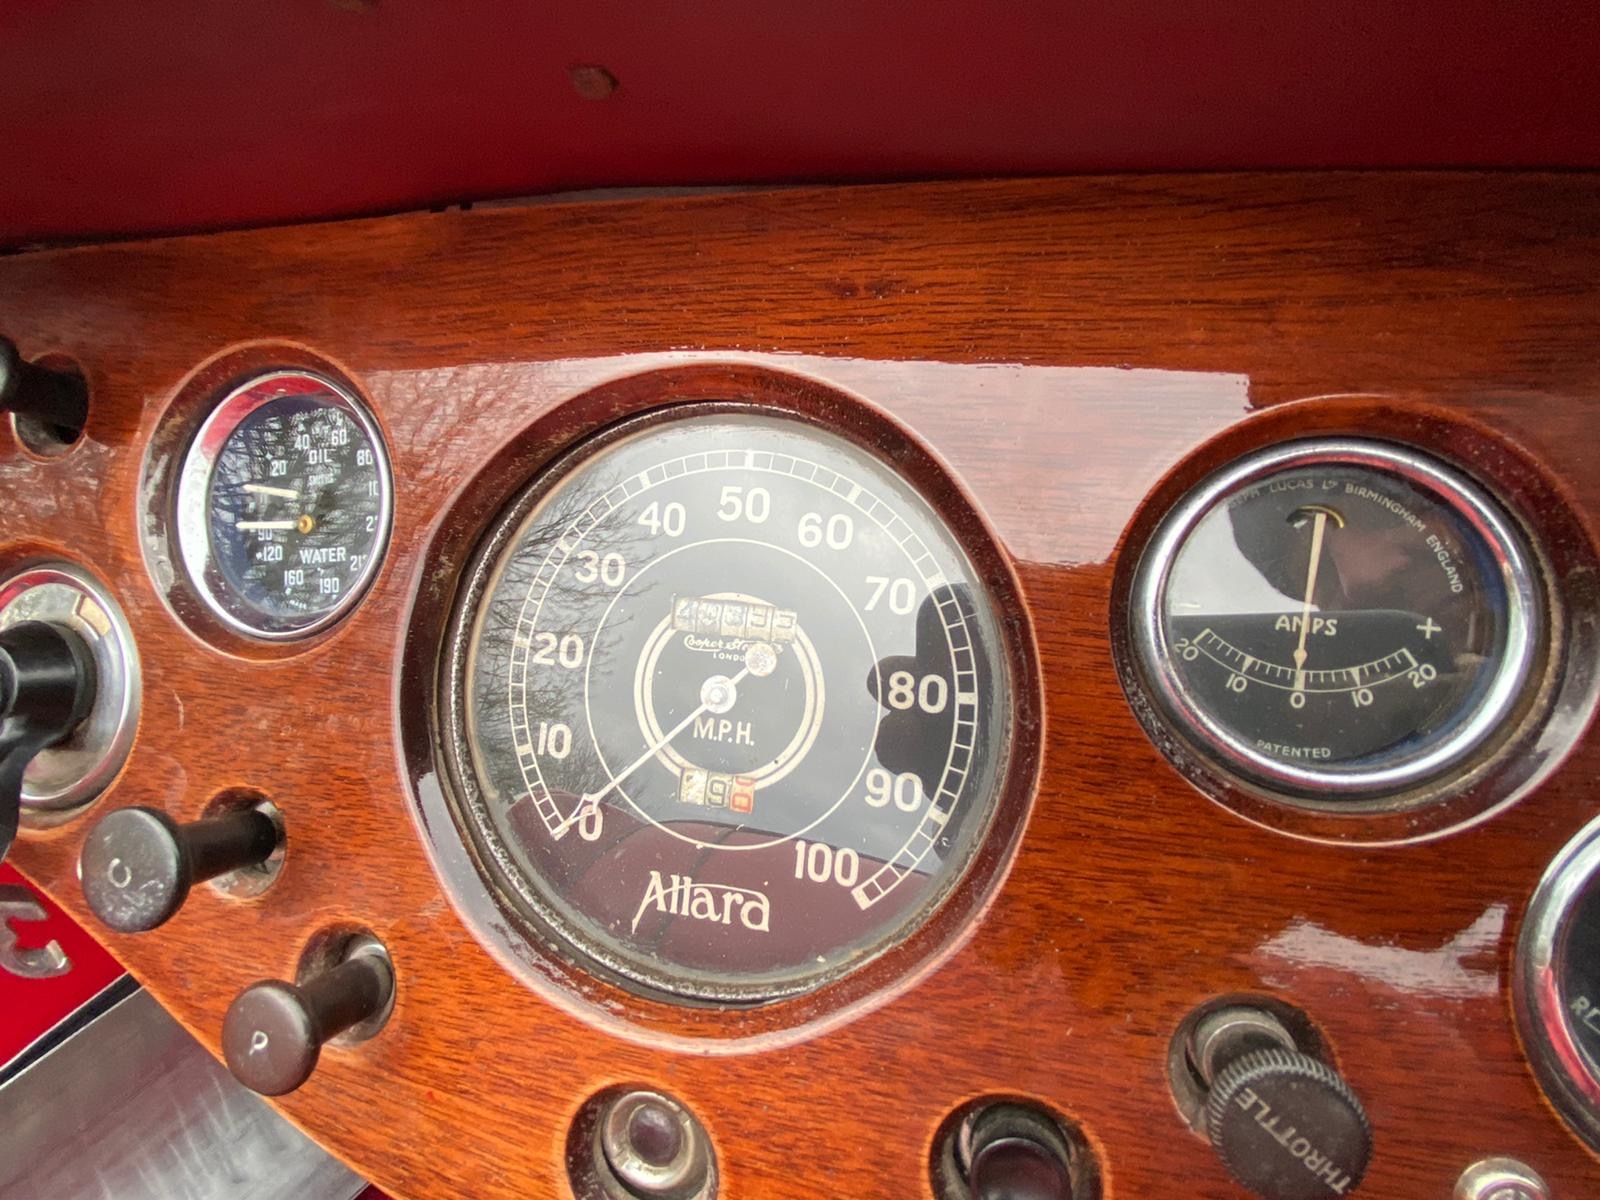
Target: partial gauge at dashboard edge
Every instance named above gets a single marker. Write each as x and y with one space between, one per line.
283 505
792 637
1556 983
1252 583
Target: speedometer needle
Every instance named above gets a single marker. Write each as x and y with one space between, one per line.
720 698
1317 529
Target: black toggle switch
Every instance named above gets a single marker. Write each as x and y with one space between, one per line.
1017 1152
59 398
1019 1168
1284 1123
46 689
273 1033
138 864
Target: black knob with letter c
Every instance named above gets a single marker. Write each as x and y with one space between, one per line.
138 864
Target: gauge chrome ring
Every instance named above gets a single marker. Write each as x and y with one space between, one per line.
1572 1085
1300 786
63 778
192 524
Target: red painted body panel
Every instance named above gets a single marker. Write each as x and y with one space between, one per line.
30 1008
174 115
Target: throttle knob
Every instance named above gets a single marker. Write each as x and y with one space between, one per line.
273 1033
138 864
1287 1126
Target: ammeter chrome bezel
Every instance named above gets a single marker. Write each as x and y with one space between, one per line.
192 518
1559 1062
1339 788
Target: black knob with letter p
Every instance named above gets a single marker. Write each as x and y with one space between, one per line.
274 1031
138 864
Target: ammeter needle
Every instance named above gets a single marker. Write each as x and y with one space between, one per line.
1317 529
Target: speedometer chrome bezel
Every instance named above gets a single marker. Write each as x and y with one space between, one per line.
529 950
530 907
1560 1063
1341 789
191 504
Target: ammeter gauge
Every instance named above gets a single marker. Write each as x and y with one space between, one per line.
728 706
1337 620
283 505
1557 983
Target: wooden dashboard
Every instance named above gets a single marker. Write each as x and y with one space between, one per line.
1073 354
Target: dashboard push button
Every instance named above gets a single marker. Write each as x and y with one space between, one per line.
274 1032
138 864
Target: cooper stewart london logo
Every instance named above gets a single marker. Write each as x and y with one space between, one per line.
718 903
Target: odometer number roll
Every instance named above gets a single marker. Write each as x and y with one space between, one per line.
733 708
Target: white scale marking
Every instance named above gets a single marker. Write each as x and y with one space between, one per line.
952 619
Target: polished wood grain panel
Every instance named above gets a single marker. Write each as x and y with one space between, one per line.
1063 348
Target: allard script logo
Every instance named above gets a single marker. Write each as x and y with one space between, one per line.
718 903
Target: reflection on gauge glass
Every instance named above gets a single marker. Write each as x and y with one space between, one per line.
284 505
733 705
1557 986
1337 620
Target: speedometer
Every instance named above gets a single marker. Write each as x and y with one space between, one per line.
729 705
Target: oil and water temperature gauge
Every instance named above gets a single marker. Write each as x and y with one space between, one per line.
283 505
1337 621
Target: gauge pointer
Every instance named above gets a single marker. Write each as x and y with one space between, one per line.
261 489
265 524
718 694
1317 529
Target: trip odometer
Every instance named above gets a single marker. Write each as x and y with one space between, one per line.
1337 620
283 505
730 705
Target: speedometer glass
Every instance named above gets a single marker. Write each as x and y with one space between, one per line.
729 705
1337 620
